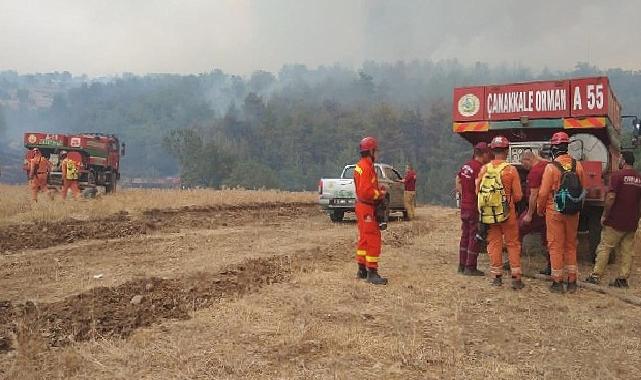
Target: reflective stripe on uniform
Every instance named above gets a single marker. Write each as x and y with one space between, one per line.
516 270
361 252
377 194
557 273
571 268
371 259
496 270
358 169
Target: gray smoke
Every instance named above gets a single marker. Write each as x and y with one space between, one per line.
240 36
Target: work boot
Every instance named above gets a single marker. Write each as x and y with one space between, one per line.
461 268
571 288
362 272
557 287
473 272
498 281
547 271
619 283
517 284
374 279
593 279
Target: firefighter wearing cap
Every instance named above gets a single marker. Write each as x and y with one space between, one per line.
70 166
368 195
507 230
39 168
561 228
466 189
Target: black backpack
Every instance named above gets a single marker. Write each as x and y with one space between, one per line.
569 198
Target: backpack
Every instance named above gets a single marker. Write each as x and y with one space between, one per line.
494 207
568 199
72 170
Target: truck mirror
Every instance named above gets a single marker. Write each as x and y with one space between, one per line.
122 149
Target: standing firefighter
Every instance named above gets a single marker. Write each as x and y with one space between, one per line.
560 200
70 171
529 220
466 188
39 168
620 221
499 189
409 195
368 195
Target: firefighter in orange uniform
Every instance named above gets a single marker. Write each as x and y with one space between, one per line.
507 230
39 168
70 171
368 195
561 225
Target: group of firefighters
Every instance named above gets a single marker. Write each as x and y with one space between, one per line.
39 168
490 188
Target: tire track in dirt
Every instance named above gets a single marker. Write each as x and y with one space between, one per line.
46 234
109 312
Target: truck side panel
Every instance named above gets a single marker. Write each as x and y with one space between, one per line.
594 97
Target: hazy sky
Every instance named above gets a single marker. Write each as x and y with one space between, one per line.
239 36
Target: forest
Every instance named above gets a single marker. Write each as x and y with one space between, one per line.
280 130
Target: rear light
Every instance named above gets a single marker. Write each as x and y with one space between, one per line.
320 187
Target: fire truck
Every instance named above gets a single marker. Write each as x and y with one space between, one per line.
529 113
99 155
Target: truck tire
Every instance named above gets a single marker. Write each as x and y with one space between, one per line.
336 216
111 185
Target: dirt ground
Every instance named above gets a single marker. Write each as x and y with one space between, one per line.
268 291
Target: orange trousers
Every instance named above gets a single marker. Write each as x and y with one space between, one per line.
368 249
561 234
39 183
507 231
70 184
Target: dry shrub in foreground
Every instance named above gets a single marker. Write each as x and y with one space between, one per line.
16 206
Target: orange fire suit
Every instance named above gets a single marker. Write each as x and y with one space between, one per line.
39 168
70 178
368 193
508 230
561 228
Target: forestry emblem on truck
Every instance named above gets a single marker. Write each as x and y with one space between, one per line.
469 105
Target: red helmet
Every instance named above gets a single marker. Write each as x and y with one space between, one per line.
367 144
560 138
500 142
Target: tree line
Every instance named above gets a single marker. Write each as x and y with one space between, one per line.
288 129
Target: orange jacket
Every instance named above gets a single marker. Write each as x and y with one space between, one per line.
552 182
509 178
366 182
39 165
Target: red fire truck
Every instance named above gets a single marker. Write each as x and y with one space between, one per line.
529 113
100 155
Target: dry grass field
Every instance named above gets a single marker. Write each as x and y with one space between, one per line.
263 286
16 205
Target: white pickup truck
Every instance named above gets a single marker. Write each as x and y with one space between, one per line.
338 196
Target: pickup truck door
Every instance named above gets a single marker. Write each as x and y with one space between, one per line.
396 188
